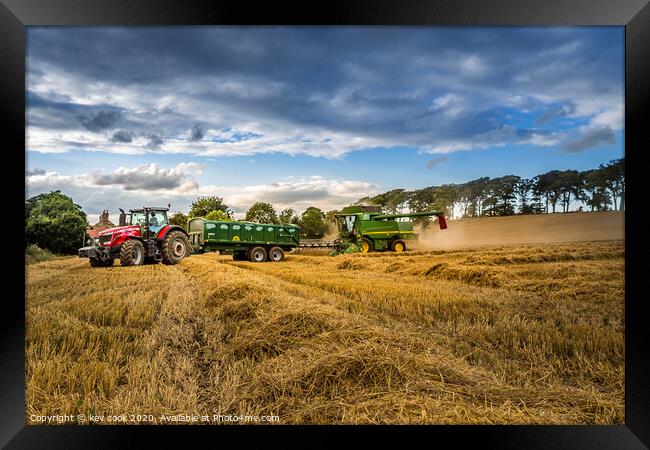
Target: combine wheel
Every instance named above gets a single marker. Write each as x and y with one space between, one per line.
132 253
257 254
366 245
276 254
399 246
175 247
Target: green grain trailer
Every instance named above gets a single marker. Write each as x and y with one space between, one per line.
247 241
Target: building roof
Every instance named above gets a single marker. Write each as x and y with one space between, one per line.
103 224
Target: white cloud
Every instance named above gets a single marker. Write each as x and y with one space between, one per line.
473 66
130 188
449 104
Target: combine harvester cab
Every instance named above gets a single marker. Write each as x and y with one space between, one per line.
366 229
247 241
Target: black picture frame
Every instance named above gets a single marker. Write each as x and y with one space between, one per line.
16 15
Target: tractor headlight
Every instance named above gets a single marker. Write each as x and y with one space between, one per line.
96 241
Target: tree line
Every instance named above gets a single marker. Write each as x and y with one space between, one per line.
600 189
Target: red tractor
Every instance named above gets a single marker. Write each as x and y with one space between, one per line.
143 237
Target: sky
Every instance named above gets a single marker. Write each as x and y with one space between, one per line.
311 116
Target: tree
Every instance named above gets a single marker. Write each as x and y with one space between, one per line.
443 199
524 188
203 206
501 196
614 174
261 212
394 200
55 222
478 194
594 190
179 219
286 215
312 223
599 201
569 183
547 185
218 215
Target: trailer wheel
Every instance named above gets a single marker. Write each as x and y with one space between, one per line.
276 254
257 254
239 256
399 246
366 245
175 247
132 253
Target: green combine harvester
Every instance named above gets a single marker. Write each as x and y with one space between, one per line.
367 229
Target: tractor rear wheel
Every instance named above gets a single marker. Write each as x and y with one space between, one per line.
366 245
257 254
175 247
132 253
276 254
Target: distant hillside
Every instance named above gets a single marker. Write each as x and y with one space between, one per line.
542 228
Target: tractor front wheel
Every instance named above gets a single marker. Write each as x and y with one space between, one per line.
175 247
132 253
366 245
96 262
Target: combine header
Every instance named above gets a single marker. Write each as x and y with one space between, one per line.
367 229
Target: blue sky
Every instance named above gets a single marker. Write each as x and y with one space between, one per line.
302 116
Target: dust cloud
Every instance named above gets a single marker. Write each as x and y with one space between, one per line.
530 229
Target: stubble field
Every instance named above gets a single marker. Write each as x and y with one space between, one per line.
516 333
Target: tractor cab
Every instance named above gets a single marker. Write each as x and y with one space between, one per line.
154 218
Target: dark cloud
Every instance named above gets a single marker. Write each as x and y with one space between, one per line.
554 113
435 161
123 136
145 177
155 141
100 121
35 172
197 133
591 138
378 83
